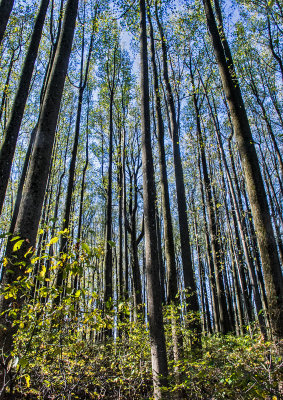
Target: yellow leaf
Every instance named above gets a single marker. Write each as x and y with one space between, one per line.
42 272
27 378
18 245
53 240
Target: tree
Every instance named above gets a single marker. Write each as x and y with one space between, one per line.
157 338
30 208
12 130
5 11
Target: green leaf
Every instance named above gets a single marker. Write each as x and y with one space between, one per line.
23 362
86 248
4 235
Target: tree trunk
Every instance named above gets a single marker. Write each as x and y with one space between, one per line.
72 168
155 318
189 278
33 196
12 130
5 11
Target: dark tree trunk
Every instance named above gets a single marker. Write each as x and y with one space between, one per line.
108 258
30 208
215 307
12 130
6 87
156 328
5 11
172 287
132 228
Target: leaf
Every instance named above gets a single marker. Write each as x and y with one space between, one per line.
86 248
43 291
3 235
53 240
78 293
42 272
15 238
18 245
27 378
23 362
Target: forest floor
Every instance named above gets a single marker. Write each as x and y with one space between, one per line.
228 367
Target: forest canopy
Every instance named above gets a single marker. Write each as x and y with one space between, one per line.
141 184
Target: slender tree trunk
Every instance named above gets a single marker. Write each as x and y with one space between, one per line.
126 271
121 285
189 278
172 288
108 258
72 168
6 87
214 296
156 328
132 228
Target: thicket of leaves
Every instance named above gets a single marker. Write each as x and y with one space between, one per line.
60 354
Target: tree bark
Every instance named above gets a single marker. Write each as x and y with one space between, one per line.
5 11
12 130
155 318
33 196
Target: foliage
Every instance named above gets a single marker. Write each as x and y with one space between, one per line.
60 353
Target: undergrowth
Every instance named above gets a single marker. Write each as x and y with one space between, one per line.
69 363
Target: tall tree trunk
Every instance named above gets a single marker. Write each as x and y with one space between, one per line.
12 130
215 307
5 11
155 318
132 228
126 271
189 278
72 168
108 258
172 287
121 285
33 196
6 87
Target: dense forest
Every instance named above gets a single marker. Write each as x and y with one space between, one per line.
141 183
